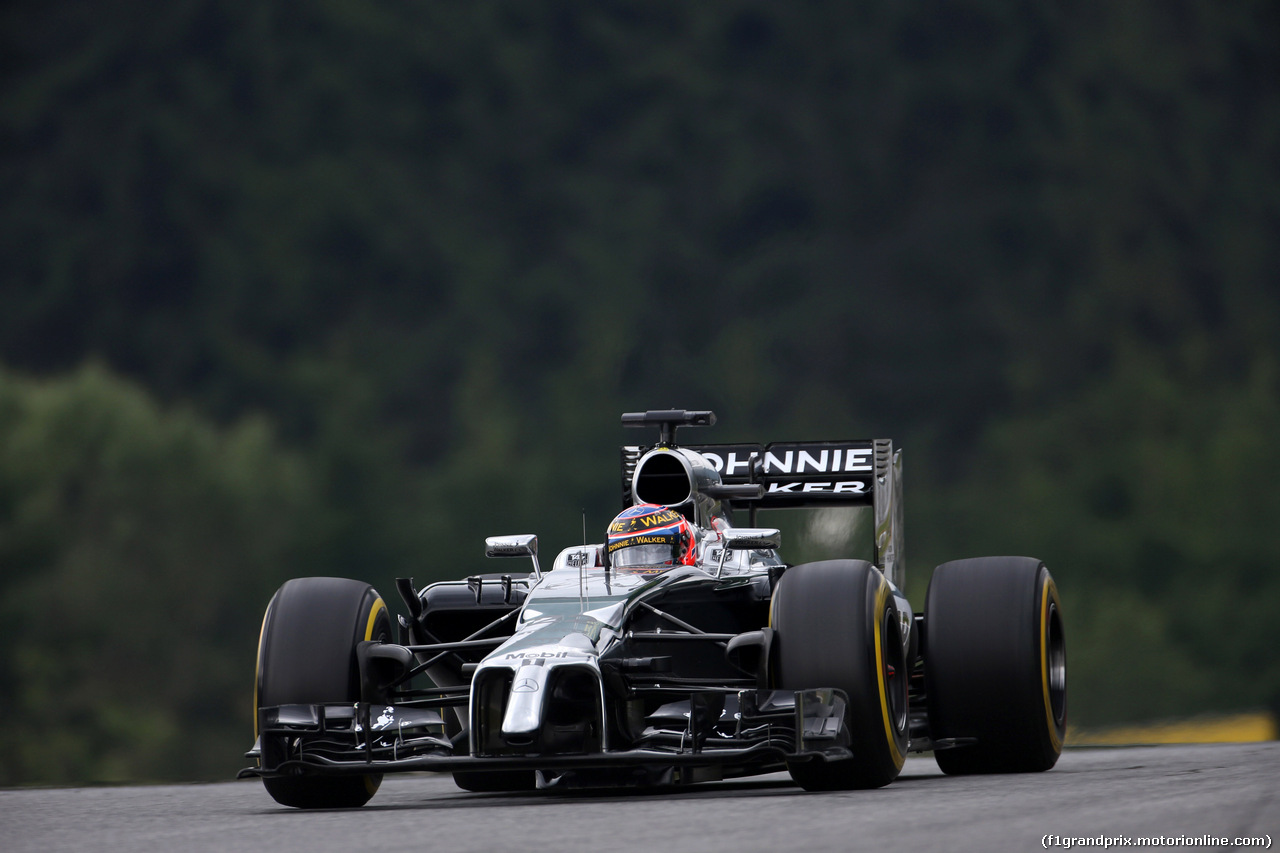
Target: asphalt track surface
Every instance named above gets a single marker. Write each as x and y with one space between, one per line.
1224 790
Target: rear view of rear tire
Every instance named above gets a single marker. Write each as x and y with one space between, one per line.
995 665
835 625
306 655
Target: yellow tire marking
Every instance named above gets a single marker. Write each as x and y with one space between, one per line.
1050 590
378 606
889 735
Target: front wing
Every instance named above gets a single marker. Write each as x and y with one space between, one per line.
766 729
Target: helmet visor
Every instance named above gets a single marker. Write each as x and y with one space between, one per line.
643 556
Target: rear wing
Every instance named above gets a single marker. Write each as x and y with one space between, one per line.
796 474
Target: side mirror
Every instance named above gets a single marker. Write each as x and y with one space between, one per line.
753 538
520 545
748 539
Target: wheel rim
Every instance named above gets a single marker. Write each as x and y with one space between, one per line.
895 672
1056 661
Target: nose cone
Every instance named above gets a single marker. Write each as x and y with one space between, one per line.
524 710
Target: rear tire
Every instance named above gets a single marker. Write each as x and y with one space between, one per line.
306 655
995 665
835 625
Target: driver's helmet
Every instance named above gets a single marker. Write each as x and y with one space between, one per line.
648 536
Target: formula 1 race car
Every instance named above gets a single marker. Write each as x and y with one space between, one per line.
680 650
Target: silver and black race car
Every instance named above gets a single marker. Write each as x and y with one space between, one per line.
714 660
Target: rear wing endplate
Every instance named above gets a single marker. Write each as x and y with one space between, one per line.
811 474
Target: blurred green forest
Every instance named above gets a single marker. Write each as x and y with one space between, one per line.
342 288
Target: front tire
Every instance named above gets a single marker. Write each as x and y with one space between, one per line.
306 656
835 625
995 665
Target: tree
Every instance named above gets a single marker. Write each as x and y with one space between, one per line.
138 549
